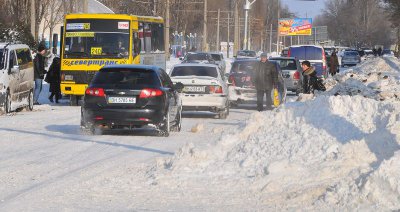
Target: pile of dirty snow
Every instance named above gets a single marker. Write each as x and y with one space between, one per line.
376 78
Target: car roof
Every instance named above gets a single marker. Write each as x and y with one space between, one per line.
306 46
145 67
246 60
198 53
196 64
282 58
19 45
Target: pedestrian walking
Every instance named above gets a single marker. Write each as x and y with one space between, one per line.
266 78
53 78
39 72
334 63
380 51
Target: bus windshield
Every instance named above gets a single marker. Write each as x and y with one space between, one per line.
96 38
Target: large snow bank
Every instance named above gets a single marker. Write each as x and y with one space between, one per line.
376 78
336 151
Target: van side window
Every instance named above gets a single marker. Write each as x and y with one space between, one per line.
23 57
12 60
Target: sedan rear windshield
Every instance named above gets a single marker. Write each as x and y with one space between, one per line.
196 57
195 71
126 78
351 53
244 66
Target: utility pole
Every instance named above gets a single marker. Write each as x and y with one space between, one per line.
85 6
154 7
246 9
236 33
205 27
219 13
33 19
228 45
167 30
277 29
270 40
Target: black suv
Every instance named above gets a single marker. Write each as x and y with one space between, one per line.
132 96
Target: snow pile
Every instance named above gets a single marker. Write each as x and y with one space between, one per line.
296 156
338 150
376 78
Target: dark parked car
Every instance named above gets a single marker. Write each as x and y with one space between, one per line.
132 96
241 79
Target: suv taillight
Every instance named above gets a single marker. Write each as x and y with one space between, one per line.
95 92
296 75
288 53
232 80
150 92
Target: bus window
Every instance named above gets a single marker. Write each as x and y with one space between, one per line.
136 44
157 37
141 37
147 37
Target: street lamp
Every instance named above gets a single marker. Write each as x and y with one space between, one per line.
246 9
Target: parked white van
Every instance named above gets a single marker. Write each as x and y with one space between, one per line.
16 77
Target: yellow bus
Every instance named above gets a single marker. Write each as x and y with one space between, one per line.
91 41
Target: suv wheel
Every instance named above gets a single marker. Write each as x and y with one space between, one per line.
164 126
30 101
178 121
7 106
224 113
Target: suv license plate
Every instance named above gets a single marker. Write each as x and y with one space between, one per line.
121 100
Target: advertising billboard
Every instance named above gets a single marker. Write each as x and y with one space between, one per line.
295 26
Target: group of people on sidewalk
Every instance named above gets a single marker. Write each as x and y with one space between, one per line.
52 75
266 79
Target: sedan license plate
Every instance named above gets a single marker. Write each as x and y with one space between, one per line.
196 89
121 100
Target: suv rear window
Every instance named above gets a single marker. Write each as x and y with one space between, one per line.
306 52
126 78
286 64
194 71
244 66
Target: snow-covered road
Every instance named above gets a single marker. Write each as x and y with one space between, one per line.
338 150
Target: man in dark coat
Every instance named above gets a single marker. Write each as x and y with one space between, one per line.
266 78
39 72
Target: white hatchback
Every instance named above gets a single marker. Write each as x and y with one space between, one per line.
204 89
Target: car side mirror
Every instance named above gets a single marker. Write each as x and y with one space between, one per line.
181 58
179 87
15 69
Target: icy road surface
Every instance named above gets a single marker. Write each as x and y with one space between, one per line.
338 150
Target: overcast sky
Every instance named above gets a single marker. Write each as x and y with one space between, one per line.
305 9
